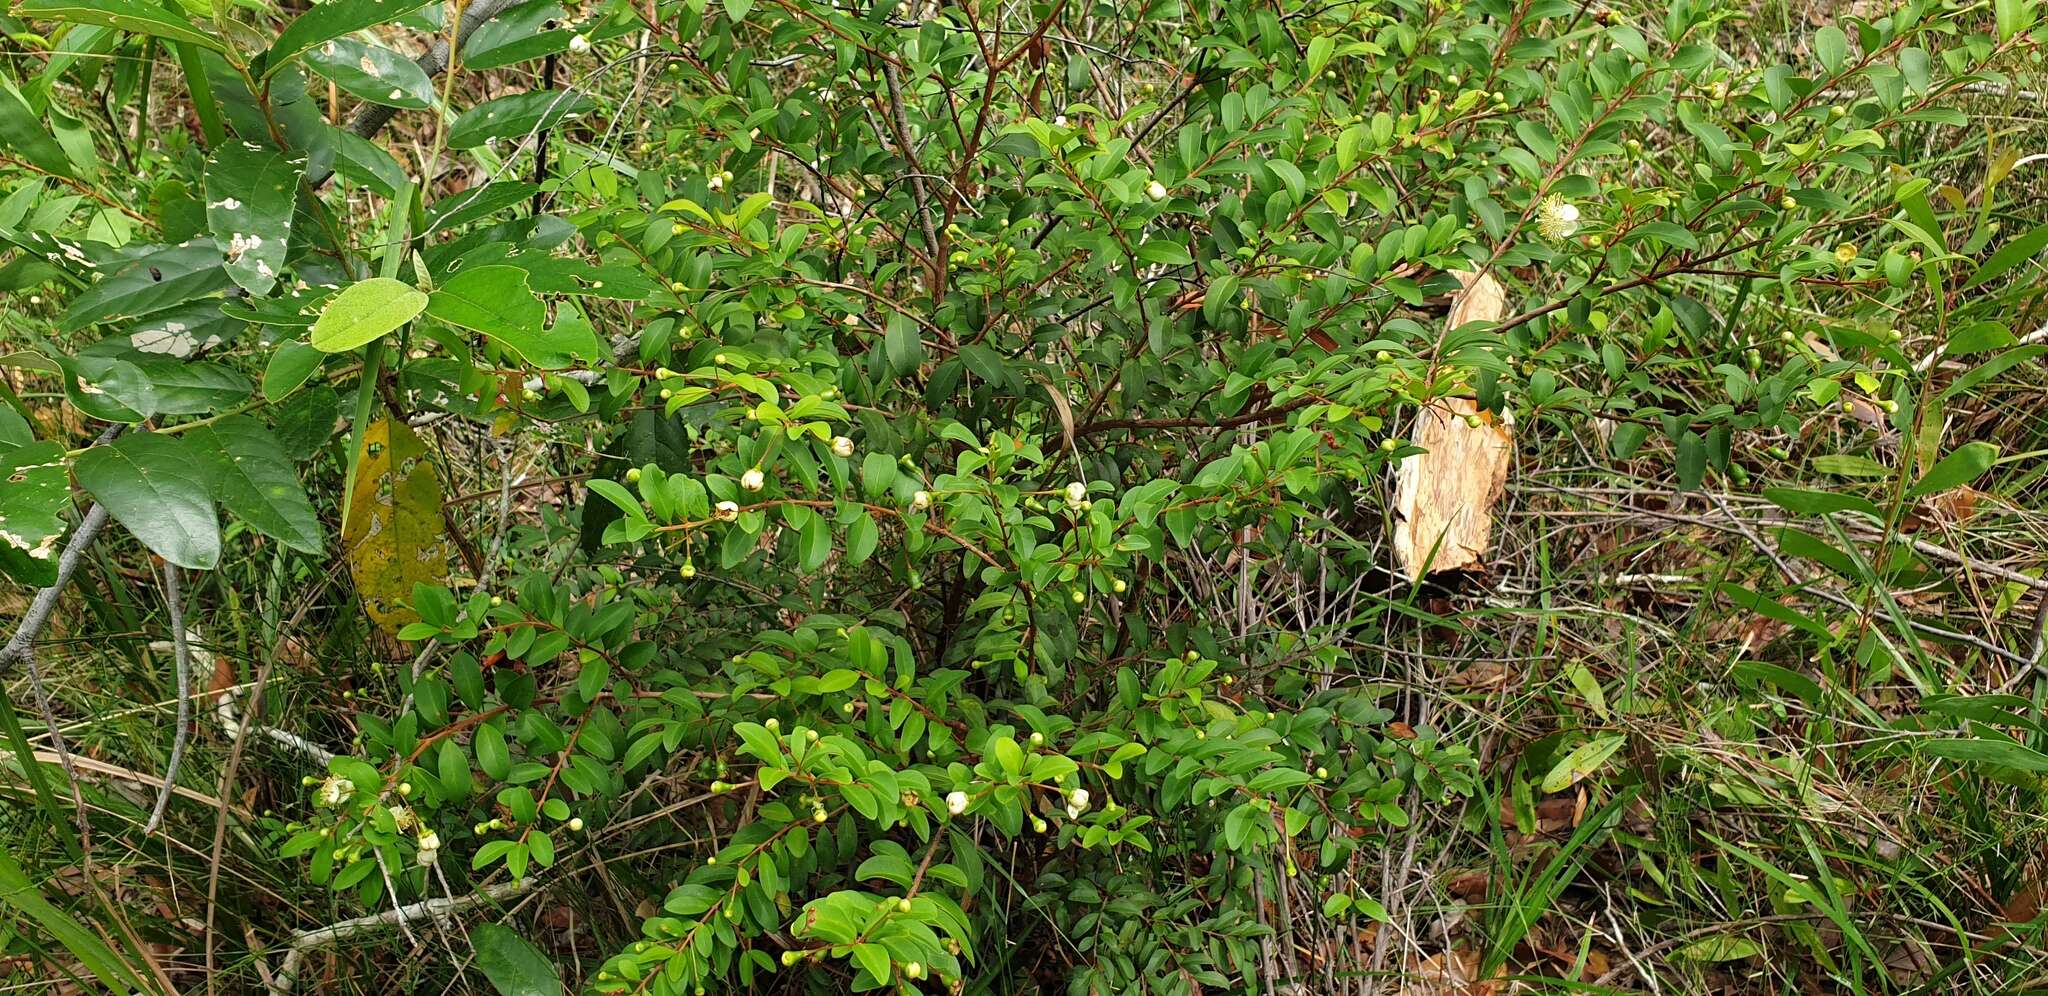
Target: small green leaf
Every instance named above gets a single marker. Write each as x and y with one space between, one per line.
289 368
491 753
364 312
1583 761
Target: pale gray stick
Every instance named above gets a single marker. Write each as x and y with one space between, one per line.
183 652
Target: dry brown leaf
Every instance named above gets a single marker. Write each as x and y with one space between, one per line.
1444 497
1453 973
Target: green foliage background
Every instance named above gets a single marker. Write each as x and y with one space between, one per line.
794 496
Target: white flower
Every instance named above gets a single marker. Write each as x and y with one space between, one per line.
842 446
1077 492
956 802
1059 121
1077 803
1156 190
728 510
1559 220
716 183
753 479
403 817
580 43
430 848
335 791
920 501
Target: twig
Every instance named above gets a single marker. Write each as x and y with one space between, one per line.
307 940
183 653
900 118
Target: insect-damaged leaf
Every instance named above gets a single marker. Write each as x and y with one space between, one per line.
394 535
249 195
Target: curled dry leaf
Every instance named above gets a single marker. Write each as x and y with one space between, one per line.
1444 497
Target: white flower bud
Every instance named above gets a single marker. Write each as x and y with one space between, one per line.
920 501
728 510
579 44
753 479
842 446
956 802
1156 190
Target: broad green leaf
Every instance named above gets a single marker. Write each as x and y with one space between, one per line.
496 301
332 19
18 892
163 384
1717 948
1978 750
527 31
250 191
156 486
35 487
2011 254
1850 465
22 135
393 535
137 16
155 280
365 311
1805 502
306 421
374 73
252 477
289 368
1966 464
514 966
516 116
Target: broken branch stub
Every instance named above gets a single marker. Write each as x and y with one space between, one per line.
1444 497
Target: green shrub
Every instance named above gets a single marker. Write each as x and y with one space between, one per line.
932 380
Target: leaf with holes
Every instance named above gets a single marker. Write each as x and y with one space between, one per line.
250 191
394 536
153 484
34 489
333 19
374 73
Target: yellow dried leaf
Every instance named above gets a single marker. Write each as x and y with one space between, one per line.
394 535
1444 498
